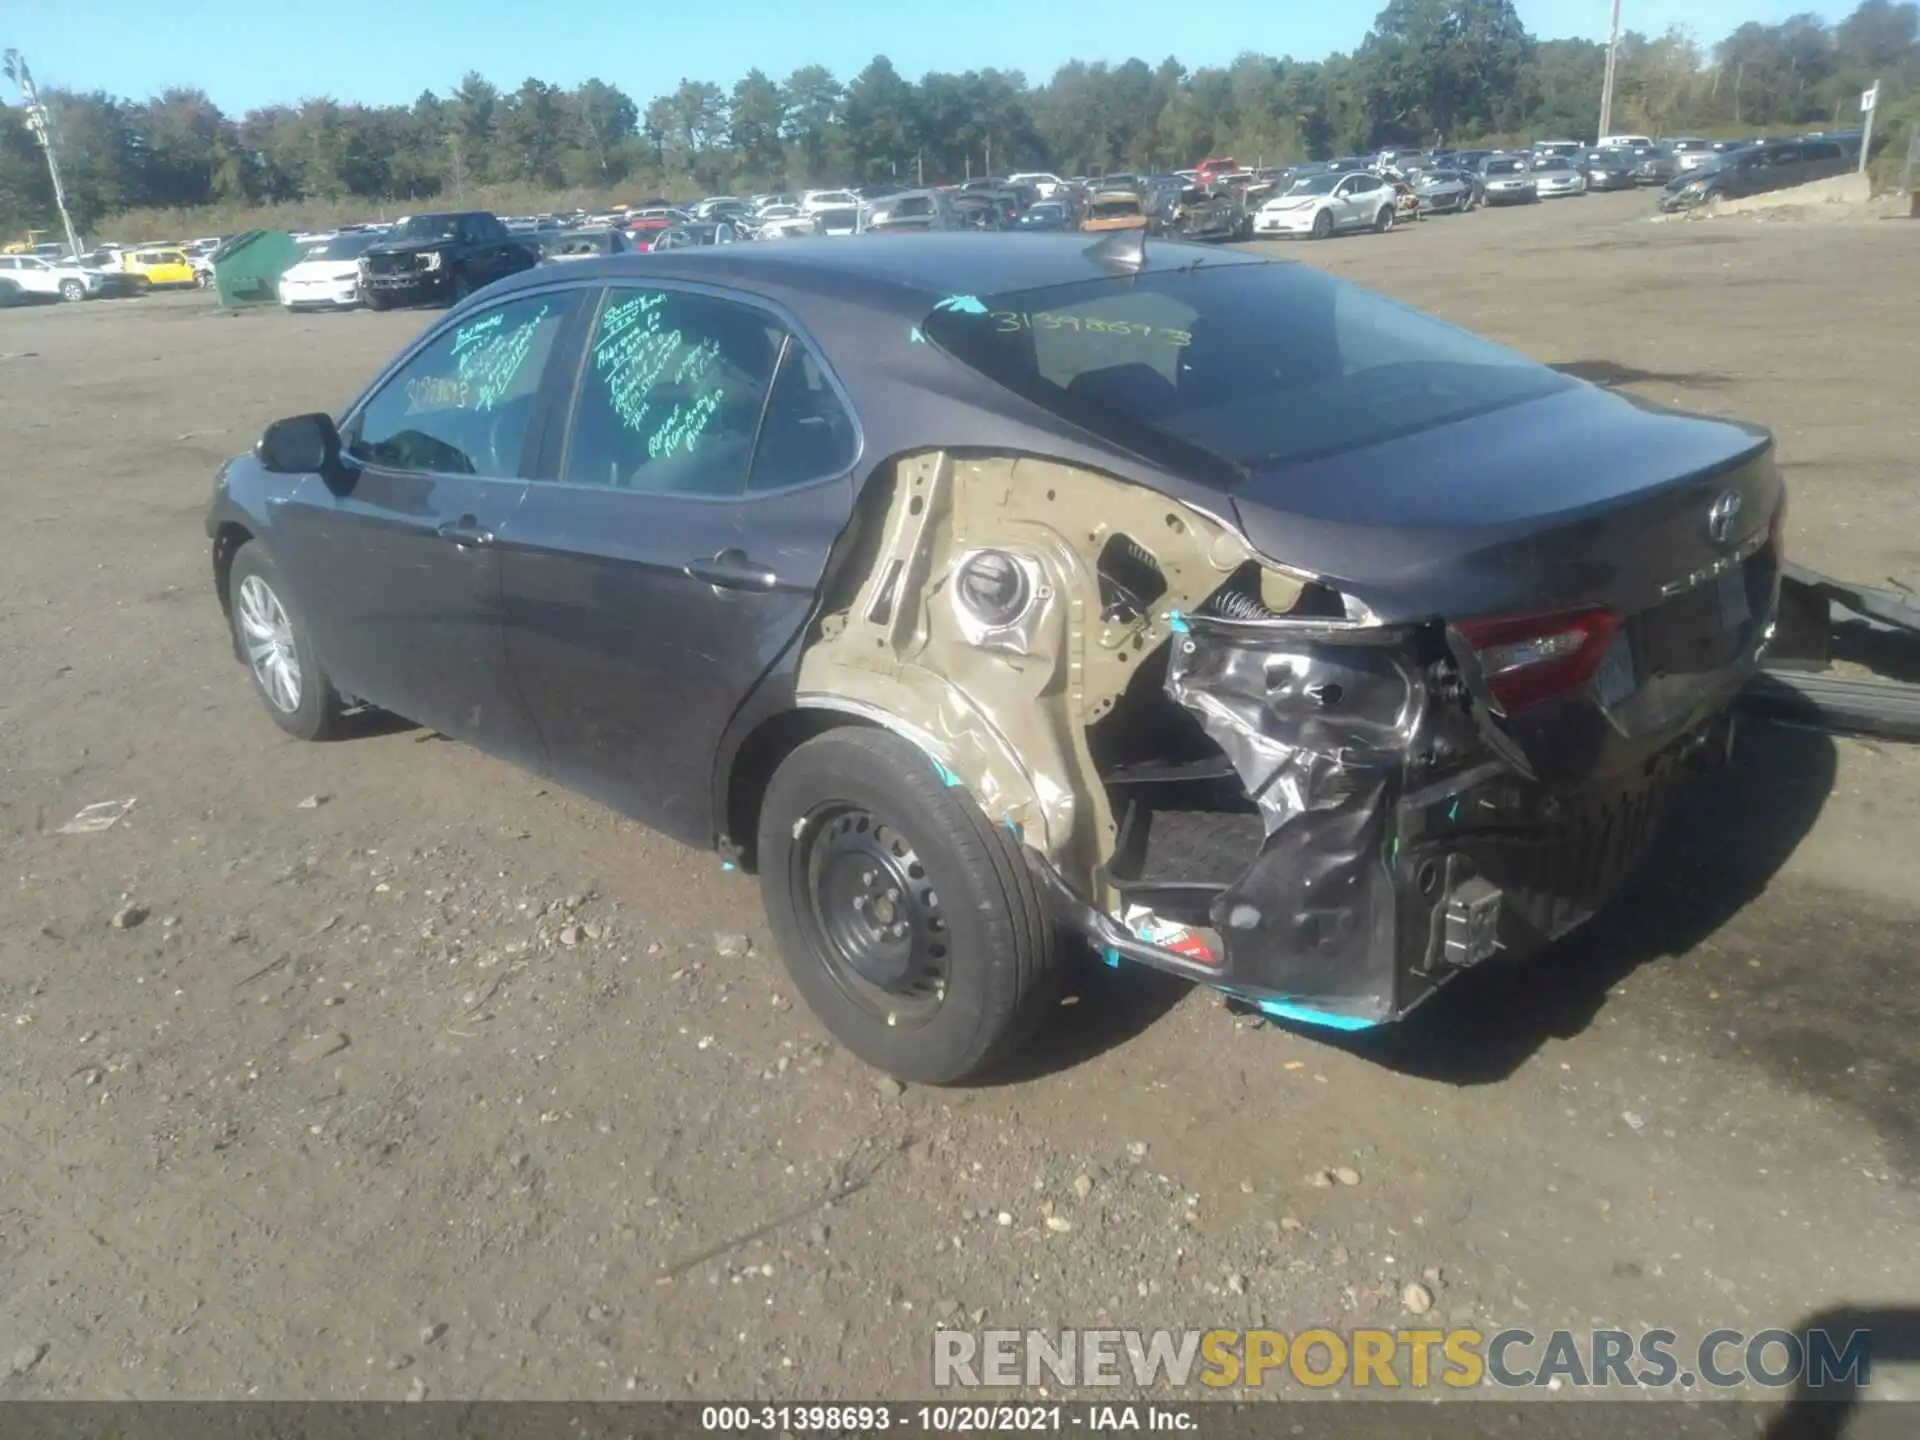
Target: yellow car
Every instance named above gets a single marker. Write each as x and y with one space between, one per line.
150 269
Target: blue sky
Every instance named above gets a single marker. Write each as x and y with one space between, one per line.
257 52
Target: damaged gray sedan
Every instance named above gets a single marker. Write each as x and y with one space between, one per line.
1262 630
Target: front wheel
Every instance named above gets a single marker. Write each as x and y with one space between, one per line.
271 638
1323 225
374 299
908 920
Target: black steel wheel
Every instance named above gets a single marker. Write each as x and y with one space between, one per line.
872 915
909 921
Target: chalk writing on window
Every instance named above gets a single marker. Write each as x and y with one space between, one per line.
631 353
684 426
491 359
471 335
1009 322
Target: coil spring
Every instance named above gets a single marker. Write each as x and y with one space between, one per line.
1238 605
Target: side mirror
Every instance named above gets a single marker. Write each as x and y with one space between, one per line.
299 445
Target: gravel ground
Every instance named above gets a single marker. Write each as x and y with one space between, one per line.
376 1069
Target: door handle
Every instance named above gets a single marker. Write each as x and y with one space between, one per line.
731 570
465 532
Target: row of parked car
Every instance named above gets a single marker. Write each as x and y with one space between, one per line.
49 273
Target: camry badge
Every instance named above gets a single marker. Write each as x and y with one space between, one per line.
1721 516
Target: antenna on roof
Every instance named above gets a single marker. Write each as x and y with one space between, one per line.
1122 250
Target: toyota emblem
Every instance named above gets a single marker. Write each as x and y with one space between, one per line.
1722 515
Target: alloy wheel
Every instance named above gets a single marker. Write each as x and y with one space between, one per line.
267 635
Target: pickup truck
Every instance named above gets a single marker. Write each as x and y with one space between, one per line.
442 256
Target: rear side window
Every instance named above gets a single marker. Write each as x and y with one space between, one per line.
1252 366
808 434
461 406
1821 150
671 393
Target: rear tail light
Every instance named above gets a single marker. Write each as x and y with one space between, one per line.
1527 659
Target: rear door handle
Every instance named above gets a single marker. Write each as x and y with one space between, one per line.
731 570
465 532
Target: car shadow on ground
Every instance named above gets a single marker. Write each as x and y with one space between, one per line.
367 723
1609 373
1725 840
1827 1411
1101 1008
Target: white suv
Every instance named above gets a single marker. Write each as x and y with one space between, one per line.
26 278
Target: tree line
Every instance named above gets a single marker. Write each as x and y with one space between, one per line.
1428 71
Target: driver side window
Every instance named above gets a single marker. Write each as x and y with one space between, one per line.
461 406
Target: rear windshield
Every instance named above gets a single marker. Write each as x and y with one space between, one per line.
1505 167
1251 365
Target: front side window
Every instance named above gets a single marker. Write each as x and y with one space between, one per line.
671 394
1254 365
461 406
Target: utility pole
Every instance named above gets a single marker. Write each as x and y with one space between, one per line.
16 70
1606 85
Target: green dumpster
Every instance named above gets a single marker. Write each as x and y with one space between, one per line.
247 269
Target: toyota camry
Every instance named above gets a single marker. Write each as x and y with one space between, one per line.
978 591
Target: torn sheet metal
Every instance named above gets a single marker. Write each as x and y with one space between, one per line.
1005 706
1324 724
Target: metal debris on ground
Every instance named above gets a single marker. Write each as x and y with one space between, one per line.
103 815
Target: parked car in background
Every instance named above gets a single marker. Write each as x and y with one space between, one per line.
1609 170
1115 210
441 256
1324 205
1507 180
1635 142
1758 170
1446 191
1047 215
1555 176
784 222
1563 149
327 275
585 244
728 542
148 269
1689 152
1044 184
27 279
1653 165
911 212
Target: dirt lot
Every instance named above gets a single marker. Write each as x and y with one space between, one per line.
515 1166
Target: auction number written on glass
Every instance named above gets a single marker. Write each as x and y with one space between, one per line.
1009 322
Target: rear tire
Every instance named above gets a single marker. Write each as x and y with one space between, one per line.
9 293
909 921
71 290
1383 221
271 637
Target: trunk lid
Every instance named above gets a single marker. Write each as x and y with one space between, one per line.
1580 497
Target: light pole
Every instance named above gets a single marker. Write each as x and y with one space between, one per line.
16 70
1606 85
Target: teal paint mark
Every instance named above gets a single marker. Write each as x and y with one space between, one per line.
1177 623
962 305
728 866
947 777
1307 1015
1453 812
1111 956
914 335
1014 830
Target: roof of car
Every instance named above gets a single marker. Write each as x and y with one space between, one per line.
912 277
